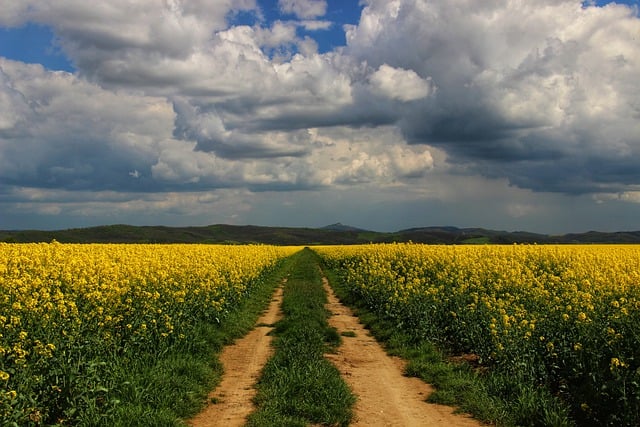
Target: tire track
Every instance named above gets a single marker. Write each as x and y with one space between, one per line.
385 396
243 361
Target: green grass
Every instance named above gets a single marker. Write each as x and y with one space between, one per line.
298 385
497 399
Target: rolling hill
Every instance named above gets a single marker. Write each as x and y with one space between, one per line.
332 234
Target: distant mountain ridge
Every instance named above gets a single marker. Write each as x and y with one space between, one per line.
338 226
334 234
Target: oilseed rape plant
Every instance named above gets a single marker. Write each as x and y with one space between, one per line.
562 317
66 310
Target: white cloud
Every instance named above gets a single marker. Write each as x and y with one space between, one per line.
315 25
304 9
13 13
632 196
12 104
410 162
400 84
280 33
307 46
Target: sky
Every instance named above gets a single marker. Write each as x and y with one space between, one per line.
380 114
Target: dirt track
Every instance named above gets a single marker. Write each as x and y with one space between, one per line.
243 362
385 396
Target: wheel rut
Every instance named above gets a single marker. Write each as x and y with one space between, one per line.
232 401
385 396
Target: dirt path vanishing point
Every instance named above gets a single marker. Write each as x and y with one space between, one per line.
243 362
385 396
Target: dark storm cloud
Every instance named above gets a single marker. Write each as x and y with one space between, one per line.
523 91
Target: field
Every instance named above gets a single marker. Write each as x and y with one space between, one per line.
560 318
71 315
553 328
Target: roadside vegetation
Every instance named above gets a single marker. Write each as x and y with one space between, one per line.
299 386
163 391
459 382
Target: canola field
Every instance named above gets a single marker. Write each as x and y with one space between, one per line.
64 308
566 318
562 317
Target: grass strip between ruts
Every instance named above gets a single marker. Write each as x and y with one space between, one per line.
298 385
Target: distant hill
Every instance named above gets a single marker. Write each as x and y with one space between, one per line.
334 234
454 235
338 226
219 233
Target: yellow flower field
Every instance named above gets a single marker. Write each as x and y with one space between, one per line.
567 317
62 305
563 317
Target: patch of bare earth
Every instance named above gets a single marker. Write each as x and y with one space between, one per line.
385 396
231 401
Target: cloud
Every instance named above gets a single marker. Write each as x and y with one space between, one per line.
304 9
373 156
170 97
67 133
14 13
148 44
75 208
398 163
12 104
315 25
279 34
542 94
400 84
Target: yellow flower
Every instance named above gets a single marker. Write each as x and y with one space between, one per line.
616 363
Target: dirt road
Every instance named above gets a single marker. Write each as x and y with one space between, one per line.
243 362
385 396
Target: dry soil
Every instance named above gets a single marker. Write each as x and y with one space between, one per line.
385 396
231 401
